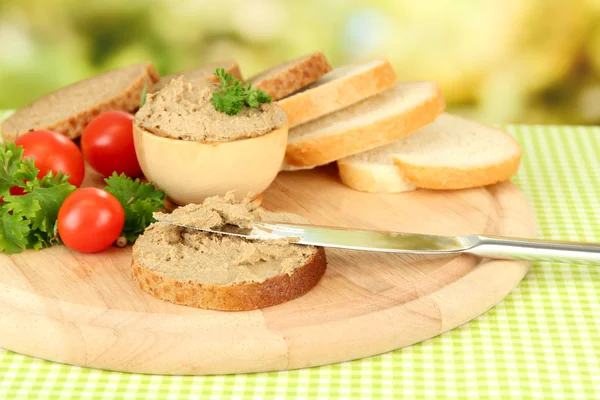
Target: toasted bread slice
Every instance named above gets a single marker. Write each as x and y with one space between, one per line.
450 153
338 89
379 120
70 109
204 72
291 76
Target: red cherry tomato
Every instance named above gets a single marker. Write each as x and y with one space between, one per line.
107 144
54 152
90 220
14 191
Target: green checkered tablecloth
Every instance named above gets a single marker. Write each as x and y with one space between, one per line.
542 341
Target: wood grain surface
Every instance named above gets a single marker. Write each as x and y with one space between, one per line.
84 309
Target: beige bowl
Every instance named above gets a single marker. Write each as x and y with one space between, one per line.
191 171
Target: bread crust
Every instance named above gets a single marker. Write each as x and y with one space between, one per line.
239 297
74 125
436 177
366 178
325 149
293 78
337 94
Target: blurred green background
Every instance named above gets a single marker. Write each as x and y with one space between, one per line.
530 61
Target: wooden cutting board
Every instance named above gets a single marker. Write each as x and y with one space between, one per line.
84 309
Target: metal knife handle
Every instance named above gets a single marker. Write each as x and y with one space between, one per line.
536 250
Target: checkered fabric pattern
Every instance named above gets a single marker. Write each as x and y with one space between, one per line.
542 341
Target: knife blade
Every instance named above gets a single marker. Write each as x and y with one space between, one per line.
344 238
414 243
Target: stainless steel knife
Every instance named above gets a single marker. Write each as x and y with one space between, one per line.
412 243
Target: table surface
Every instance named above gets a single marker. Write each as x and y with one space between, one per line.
540 342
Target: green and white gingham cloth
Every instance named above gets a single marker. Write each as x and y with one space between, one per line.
542 341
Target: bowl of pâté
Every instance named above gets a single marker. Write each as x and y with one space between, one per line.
200 139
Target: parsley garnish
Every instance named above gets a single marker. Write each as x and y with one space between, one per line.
28 221
139 200
233 95
144 94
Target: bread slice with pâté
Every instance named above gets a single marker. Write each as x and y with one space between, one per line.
206 270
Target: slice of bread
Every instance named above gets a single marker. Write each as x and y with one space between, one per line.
291 76
455 153
338 89
204 72
70 109
287 167
199 269
373 174
376 121
450 153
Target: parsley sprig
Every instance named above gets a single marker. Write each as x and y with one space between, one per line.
233 96
139 201
28 221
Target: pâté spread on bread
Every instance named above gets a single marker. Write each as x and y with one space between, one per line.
182 110
207 270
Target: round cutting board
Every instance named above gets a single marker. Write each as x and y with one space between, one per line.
84 309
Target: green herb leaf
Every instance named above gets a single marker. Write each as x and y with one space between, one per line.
25 206
230 105
40 208
50 200
144 94
233 96
28 221
14 232
50 180
13 170
139 200
262 97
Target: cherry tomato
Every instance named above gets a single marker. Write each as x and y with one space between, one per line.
14 191
90 220
107 144
54 152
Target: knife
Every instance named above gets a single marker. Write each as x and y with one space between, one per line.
496 247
